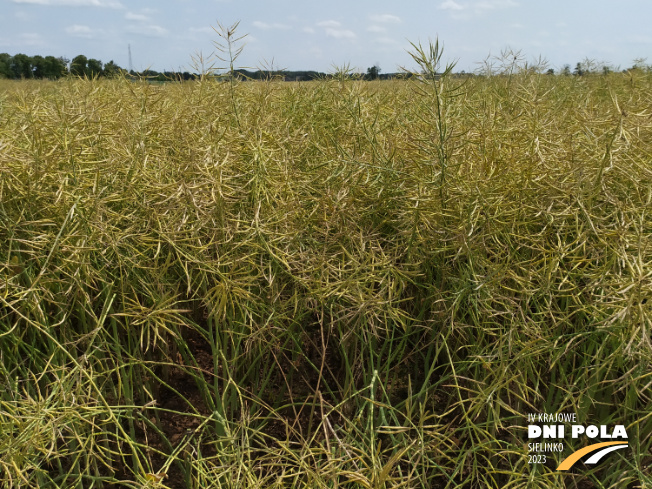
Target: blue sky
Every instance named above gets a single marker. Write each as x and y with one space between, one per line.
296 35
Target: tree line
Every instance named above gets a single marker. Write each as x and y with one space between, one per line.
21 66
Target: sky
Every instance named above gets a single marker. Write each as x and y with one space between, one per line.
322 36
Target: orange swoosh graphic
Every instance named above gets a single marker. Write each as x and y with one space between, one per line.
575 456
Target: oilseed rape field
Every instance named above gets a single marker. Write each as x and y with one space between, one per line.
330 284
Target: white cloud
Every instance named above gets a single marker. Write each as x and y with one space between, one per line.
478 7
201 30
265 25
148 30
308 30
495 4
450 5
329 23
31 39
340 33
376 28
640 39
79 31
137 17
386 19
25 39
388 41
333 28
74 3
197 33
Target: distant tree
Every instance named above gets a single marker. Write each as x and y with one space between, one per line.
112 70
640 64
579 70
79 66
566 71
21 66
5 61
550 71
149 73
94 68
55 67
373 72
38 67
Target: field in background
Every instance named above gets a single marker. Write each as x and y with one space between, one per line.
328 284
